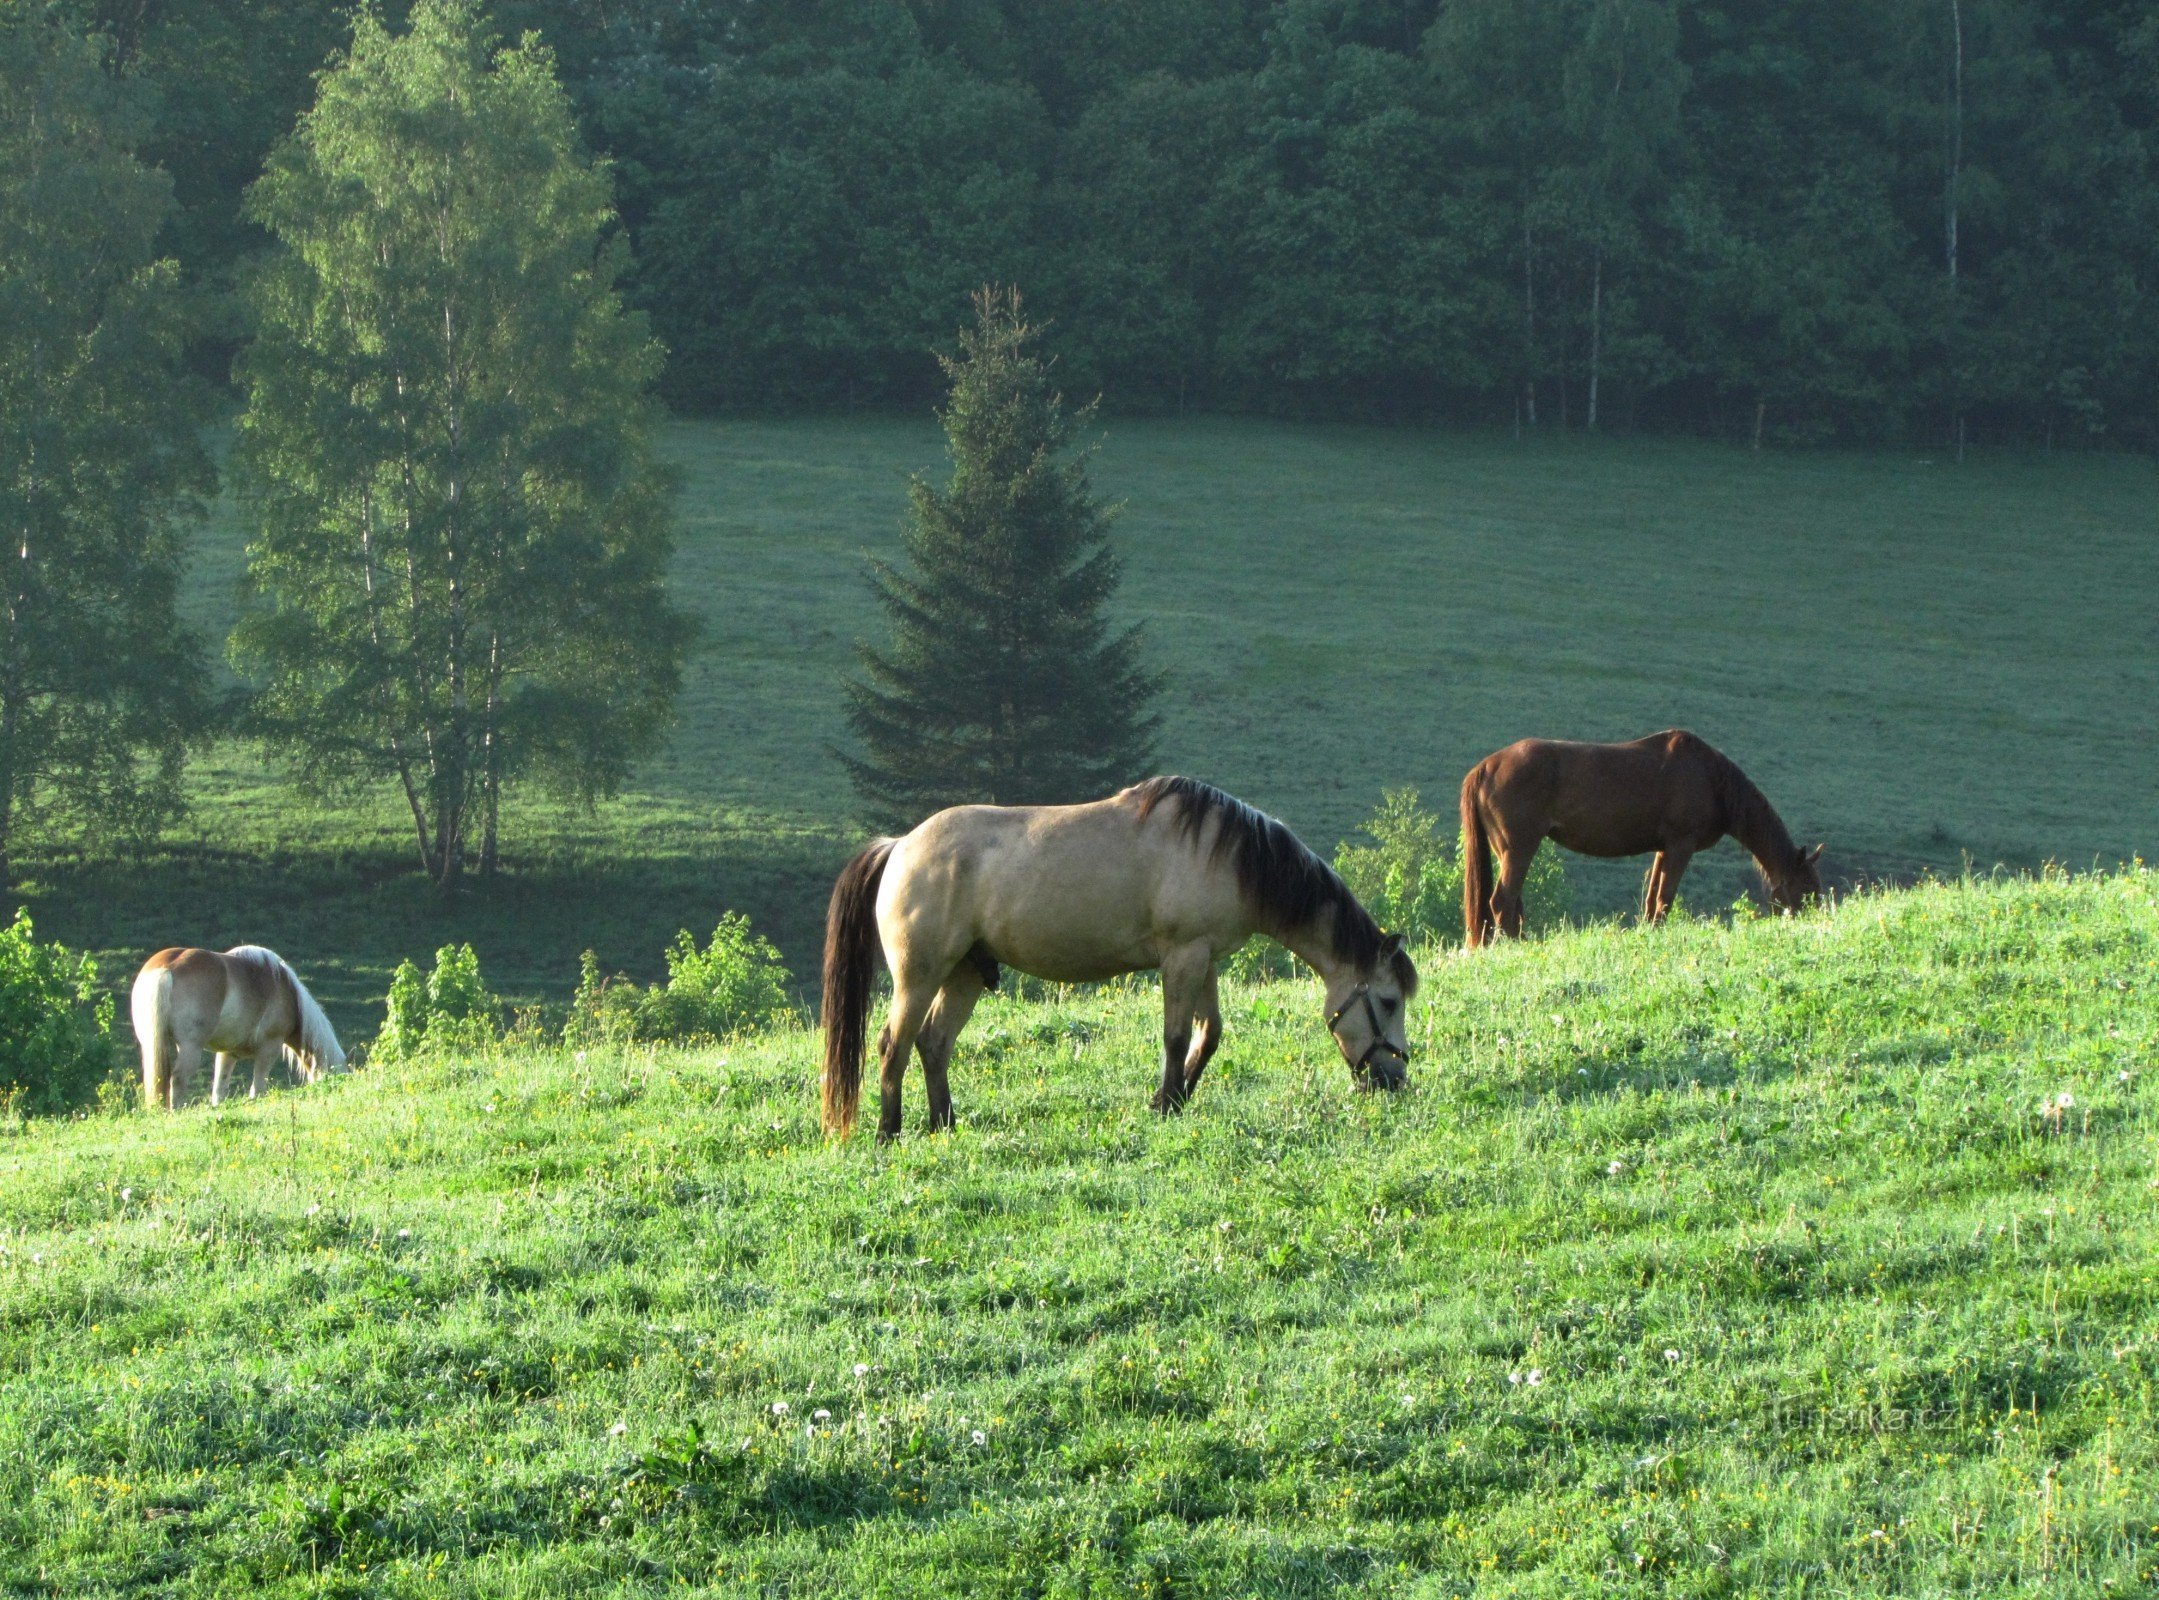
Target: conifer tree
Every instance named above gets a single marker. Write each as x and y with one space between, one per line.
460 527
1005 680
100 685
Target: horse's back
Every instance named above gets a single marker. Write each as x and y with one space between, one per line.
1066 893
1602 799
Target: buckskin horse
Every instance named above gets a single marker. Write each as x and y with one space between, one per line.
247 1002
1171 874
1671 792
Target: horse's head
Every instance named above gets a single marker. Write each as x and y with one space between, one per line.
1801 884
1368 1014
312 1065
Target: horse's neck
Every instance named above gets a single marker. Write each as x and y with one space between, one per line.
1313 944
1761 832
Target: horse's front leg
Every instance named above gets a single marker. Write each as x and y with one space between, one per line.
220 1075
1207 1034
1185 972
265 1058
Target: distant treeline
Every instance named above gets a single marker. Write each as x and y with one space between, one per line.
1785 219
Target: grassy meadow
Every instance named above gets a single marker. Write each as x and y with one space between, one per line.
1921 662
1766 1257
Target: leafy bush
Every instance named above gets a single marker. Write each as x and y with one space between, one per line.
447 1011
56 1026
736 983
1409 875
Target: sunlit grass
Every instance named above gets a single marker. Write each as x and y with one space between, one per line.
1720 1259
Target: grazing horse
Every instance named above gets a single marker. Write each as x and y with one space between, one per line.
1170 874
1671 792
246 1002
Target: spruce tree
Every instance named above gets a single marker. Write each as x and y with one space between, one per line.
460 526
1005 680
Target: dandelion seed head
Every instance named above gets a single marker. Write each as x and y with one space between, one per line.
779 1408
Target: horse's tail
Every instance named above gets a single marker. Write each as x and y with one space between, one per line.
1476 867
313 1047
850 965
150 1008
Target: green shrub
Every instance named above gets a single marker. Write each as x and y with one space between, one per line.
1409 875
447 1011
56 1026
735 984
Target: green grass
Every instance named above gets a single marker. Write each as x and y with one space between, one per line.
1724 1259
1919 661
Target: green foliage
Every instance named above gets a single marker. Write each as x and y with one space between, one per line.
1003 682
100 685
1409 874
736 984
447 1012
1795 559
1297 1341
460 529
56 1024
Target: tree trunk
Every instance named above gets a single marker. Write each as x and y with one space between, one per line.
1596 335
491 759
1529 321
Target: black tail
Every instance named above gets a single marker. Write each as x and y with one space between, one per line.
1476 868
850 967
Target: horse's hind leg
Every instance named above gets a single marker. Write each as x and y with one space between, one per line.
181 1083
955 1001
1664 875
911 1002
220 1075
1513 876
1207 1034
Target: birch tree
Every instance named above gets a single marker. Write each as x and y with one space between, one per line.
459 527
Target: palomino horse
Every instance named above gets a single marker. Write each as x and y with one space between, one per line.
1171 874
244 1003
1671 793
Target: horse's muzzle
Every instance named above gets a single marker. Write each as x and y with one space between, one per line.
1392 1076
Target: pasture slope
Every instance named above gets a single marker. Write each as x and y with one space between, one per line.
1765 1258
1917 661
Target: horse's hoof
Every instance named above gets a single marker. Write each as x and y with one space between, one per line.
1168 1104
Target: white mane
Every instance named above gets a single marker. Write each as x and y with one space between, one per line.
318 1051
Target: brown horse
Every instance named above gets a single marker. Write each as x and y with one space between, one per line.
1671 792
244 1004
1171 874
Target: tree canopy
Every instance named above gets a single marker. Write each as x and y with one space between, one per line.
1004 680
1799 219
100 685
459 525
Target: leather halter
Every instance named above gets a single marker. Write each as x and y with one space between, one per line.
1380 1041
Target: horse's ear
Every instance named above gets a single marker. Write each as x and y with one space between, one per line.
1814 855
1390 946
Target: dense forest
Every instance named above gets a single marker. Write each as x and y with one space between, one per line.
1789 220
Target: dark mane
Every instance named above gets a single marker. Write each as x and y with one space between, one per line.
1751 819
1282 881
